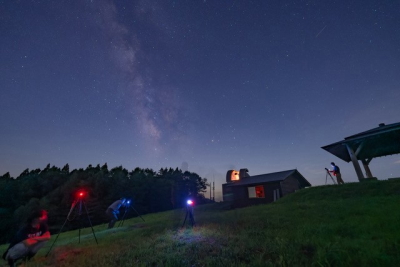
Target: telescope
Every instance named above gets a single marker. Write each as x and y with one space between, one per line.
128 204
326 176
189 212
79 202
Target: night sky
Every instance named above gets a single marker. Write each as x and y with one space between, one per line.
212 85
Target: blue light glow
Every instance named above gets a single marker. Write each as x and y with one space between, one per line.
189 202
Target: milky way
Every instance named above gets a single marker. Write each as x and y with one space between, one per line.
203 85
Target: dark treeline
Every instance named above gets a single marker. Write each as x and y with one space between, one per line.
55 189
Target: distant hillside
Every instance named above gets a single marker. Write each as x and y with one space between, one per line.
348 225
374 188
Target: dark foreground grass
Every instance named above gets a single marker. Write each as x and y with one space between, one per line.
350 225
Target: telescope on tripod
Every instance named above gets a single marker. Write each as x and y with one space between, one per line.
77 207
128 205
326 176
189 212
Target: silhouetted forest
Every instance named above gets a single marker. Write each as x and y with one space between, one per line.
55 189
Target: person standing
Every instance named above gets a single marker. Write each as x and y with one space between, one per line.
29 239
113 211
336 171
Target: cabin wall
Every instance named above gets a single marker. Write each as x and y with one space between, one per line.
238 194
241 195
290 185
227 194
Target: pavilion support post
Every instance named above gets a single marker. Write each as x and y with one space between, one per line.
356 165
366 167
360 147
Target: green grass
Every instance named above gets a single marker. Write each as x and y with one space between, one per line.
350 225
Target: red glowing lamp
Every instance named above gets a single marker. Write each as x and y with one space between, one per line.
81 194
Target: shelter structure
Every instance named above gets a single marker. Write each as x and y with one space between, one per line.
377 142
243 190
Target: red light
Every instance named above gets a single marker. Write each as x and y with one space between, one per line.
81 194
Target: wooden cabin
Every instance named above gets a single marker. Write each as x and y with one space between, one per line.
244 190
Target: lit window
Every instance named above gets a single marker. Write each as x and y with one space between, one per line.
256 191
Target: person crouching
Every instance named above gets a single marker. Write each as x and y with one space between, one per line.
113 211
29 239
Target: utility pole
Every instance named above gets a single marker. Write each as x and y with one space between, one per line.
210 190
213 188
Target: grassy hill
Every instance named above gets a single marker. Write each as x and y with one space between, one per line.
349 225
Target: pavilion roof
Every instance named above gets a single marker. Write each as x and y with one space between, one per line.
377 142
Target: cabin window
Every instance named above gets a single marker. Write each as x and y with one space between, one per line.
256 191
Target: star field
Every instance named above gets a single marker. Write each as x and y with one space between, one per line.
215 84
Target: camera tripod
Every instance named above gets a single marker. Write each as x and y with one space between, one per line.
189 213
326 177
78 214
121 222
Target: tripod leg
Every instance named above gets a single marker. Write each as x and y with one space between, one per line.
57 237
91 226
326 178
333 180
185 219
191 218
137 213
121 222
